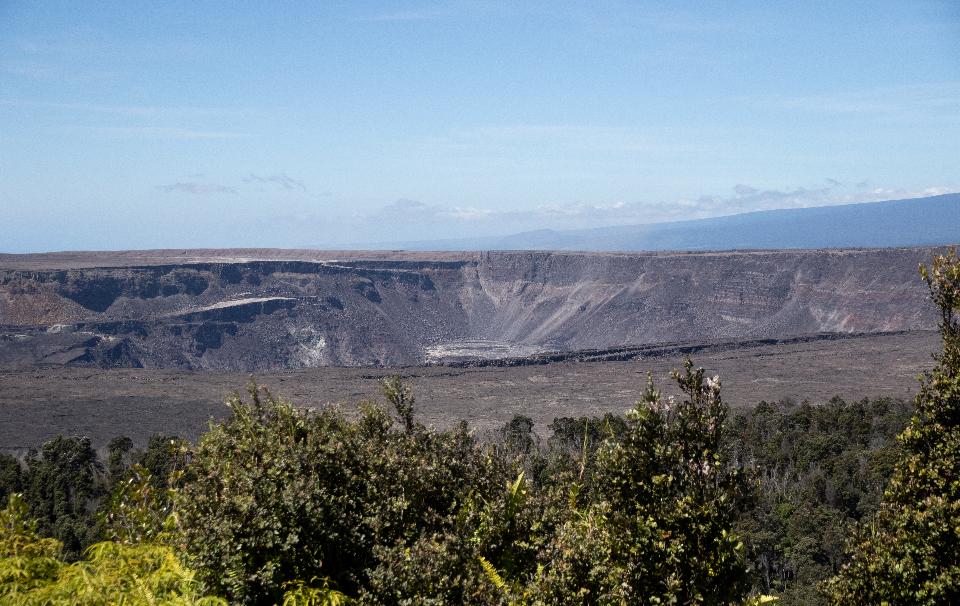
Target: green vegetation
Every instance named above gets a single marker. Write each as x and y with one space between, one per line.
818 470
32 570
394 515
673 502
907 553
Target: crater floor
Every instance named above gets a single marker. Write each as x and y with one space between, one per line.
39 403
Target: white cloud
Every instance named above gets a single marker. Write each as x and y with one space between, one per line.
935 99
197 188
148 111
283 180
469 213
569 136
412 15
195 184
744 198
154 132
748 199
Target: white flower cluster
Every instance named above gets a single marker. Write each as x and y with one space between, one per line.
662 406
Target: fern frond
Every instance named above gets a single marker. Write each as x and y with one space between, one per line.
491 573
298 593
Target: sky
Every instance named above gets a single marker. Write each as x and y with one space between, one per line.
345 124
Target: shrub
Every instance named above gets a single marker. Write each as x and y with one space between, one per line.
279 495
657 527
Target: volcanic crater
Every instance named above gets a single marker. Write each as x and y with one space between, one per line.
256 310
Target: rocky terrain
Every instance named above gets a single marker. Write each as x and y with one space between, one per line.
39 403
246 310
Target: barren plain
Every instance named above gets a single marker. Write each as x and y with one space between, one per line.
39 403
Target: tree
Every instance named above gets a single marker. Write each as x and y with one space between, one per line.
117 459
62 485
401 397
517 436
656 527
11 476
819 469
907 553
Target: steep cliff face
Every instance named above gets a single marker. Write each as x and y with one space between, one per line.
249 314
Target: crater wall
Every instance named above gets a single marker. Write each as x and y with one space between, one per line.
259 310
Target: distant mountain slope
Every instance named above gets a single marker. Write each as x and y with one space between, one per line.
913 222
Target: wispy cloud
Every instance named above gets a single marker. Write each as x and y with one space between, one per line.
743 198
41 71
155 121
413 211
282 180
934 99
143 111
411 15
747 198
30 69
673 20
197 183
406 220
153 132
197 188
593 138
406 211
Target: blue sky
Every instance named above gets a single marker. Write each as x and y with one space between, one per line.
126 125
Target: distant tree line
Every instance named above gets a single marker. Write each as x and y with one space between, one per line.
673 502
